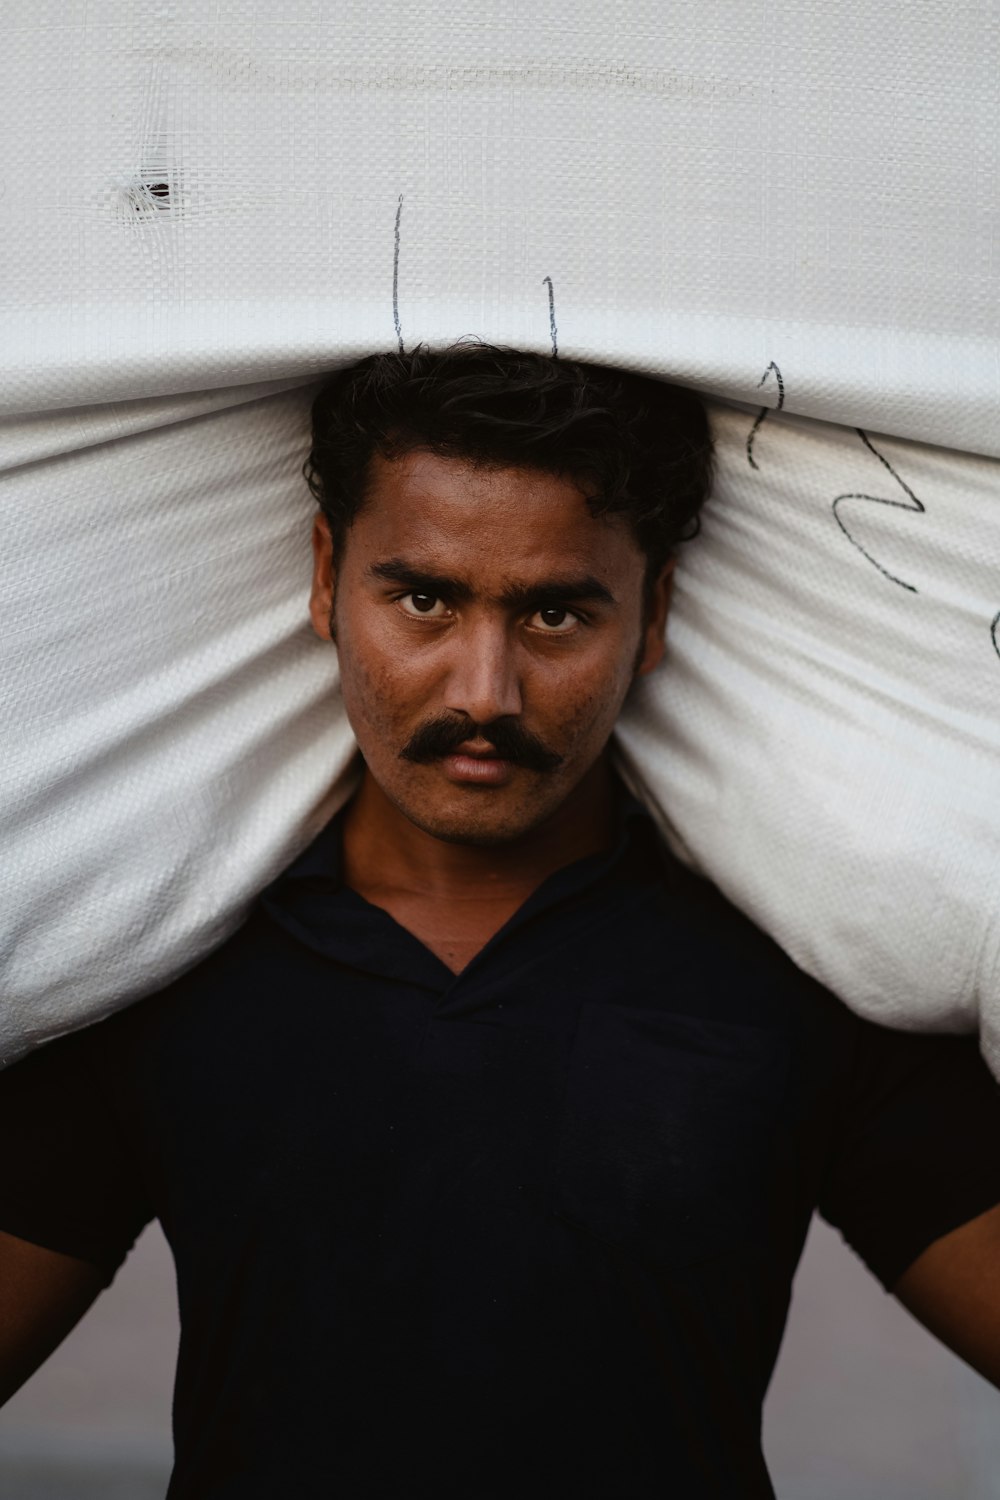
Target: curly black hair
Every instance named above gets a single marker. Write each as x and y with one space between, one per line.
636 446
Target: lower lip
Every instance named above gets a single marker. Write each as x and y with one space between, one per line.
481 772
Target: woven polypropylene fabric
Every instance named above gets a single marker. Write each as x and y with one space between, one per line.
823 734
203 207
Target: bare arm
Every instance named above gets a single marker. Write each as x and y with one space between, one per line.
43 1294
953 1288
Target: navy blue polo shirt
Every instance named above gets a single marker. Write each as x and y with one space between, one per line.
525 1231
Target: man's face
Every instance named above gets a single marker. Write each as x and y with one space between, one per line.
488 628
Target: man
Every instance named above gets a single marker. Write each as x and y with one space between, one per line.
487 1148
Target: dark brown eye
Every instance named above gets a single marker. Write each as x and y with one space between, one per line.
422 604
555 619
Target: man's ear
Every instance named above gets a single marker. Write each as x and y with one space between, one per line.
323 580
654 629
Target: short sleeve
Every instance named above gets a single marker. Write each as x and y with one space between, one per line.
67 1178
918 1152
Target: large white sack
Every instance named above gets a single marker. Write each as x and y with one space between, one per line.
823 735
200 203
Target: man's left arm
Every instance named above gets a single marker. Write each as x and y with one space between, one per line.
914 1183
953 1288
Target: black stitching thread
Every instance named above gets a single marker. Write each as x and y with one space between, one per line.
395 277
553 332
764 410
915 506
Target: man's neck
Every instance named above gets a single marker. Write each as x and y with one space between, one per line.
386 854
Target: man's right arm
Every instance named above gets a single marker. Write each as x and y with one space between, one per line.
72 1198
43 1294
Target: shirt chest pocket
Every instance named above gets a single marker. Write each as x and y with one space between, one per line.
665 1141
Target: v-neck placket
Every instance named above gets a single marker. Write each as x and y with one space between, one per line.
313 905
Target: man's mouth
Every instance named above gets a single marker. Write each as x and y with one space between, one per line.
488 756
477 762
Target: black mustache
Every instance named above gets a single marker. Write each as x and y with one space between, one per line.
508 737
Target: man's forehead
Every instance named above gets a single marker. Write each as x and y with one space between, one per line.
423 479
451 515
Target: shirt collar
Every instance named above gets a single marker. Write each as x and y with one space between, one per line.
635 834
312 904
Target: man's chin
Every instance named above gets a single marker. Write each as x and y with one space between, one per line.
480 817
477 832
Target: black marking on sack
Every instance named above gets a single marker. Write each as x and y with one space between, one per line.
911 503
764 410
553 332
995 632
395 277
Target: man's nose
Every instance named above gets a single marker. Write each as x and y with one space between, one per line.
484 682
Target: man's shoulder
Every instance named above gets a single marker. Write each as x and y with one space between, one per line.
709 947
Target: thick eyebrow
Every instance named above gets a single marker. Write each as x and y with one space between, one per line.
397 570
577 588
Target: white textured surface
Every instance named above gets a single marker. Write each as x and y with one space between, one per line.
823 735
198 205
172 731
